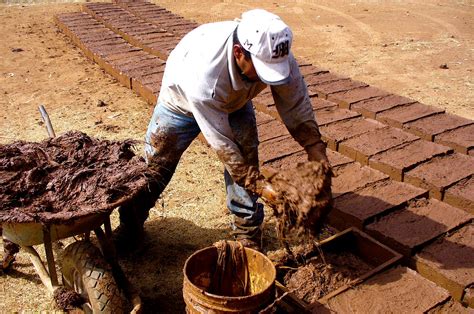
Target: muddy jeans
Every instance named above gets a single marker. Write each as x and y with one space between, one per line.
169 134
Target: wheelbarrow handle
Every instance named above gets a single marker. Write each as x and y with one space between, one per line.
47 121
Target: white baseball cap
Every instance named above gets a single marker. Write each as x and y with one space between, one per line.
268 39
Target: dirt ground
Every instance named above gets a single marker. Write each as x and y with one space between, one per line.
399 46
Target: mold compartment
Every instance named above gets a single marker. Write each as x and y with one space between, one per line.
350 244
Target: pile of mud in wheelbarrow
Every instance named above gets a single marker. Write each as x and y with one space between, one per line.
63 187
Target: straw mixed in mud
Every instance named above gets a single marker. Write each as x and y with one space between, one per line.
67 177
318 276
303 197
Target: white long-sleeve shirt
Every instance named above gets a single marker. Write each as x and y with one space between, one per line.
202 80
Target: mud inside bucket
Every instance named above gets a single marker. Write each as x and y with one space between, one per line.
199 291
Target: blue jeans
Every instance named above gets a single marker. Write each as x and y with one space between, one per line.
169 134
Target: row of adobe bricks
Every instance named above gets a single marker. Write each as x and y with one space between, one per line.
157 31
365 197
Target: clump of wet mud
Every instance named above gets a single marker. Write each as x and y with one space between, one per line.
303 197
66 177
323 274
67 299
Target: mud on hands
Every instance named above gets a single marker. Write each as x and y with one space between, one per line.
300 197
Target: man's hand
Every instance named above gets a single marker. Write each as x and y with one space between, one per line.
317 152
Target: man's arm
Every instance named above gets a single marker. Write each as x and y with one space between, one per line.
215 126
294 106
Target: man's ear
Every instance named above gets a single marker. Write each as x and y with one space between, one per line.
237 50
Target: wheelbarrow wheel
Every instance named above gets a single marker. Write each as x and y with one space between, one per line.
85 271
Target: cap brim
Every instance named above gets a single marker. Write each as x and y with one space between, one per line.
272 73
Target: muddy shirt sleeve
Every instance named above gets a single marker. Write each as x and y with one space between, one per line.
214 125
294 107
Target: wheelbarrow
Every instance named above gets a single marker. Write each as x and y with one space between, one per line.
91 272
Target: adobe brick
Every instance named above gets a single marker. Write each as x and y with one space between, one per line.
101 51
84 22
440 173
396 161
309 69
427 128
346 99
353 176
147 91
400 115
319 103
450 306
150 62
337 132
144 70
397 290
271 130
370 108
448 261
262 117
290 161
461 139
336 159
333 114
153 78
286 162
138 59
71 16
322 77
99 37
411 228
461 195
125 55
105 42
264 101
326 89
363 206
366 145
278 148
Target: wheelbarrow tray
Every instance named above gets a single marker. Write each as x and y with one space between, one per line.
32 233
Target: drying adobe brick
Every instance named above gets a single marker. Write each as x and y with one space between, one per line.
323 274
73 175
303 197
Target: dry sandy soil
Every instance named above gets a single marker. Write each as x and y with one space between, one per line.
394 45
